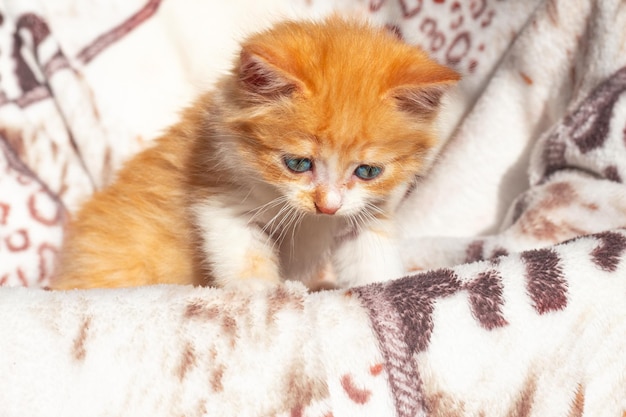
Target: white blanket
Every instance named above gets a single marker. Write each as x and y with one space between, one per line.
536 155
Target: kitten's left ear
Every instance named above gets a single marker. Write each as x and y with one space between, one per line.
262 76
421 95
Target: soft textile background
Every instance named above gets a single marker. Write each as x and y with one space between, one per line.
84 85
515 325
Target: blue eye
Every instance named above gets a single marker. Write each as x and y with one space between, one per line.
298 164
367 172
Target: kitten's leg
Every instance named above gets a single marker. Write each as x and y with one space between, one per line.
324 279
237 252
371 255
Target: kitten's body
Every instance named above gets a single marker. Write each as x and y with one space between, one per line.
296 161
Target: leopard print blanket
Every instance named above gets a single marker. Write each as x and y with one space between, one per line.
541 332
515 243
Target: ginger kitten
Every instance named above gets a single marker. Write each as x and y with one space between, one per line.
293 166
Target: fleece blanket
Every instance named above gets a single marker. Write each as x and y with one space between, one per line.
513 243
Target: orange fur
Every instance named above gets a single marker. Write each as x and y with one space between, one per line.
334 90
135 232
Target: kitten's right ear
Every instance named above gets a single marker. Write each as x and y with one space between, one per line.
420 87
421 101
261 78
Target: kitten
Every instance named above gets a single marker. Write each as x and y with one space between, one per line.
293 166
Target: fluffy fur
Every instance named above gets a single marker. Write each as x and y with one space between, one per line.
214 202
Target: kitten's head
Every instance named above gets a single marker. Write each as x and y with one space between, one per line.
337 115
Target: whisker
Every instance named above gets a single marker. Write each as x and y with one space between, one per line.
361 220
259 211
272 228
353 224
273 202
374 207
371 211
297 223
286 212
245 198
285 224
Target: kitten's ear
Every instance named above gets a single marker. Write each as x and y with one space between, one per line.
265 79
421 94
420 100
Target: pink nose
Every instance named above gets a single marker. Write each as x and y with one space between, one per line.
326 210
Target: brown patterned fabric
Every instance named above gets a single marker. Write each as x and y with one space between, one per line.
45 169
502 320
402 311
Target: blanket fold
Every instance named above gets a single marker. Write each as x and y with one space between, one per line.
514 243
480 339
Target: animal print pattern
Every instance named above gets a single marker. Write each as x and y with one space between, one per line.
591 138
517 336
31 225
44 167
405 316
457 33
575 174
508 324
